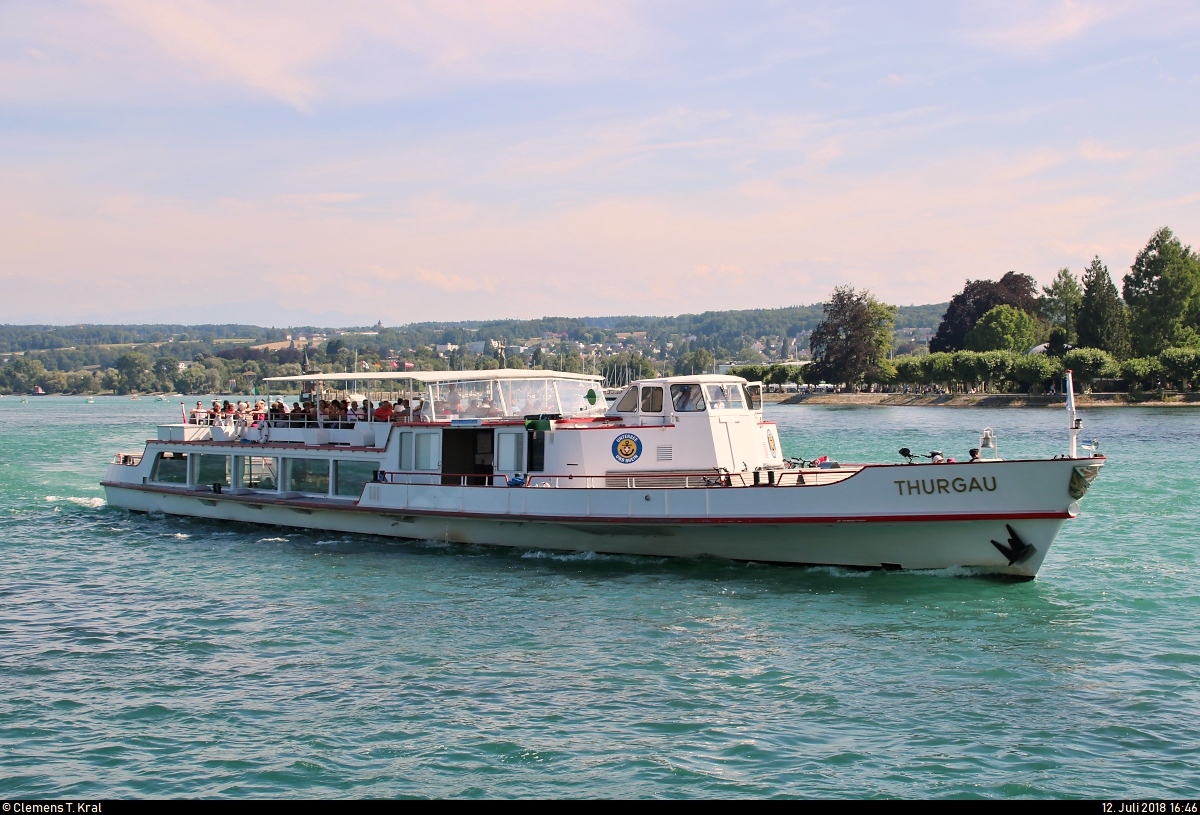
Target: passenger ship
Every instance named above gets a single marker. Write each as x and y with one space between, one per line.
679 466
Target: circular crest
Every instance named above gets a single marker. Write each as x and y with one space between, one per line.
771 443
626 448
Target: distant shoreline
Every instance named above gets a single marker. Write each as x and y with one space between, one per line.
964 400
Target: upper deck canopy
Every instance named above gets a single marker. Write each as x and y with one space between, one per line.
430 377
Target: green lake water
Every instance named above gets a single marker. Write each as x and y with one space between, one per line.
164 657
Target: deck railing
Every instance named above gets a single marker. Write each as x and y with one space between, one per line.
631 481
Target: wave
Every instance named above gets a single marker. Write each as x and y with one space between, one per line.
91 503
574 557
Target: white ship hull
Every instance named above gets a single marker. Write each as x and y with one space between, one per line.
677 467
997 517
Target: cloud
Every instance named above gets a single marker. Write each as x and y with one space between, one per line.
1092 150
442 281
304 53
1027 25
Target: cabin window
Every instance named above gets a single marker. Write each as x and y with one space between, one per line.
425 452
308 475
754 396
652 399
352 476
687 398
629 402
259 472
406 451
170 468
510 452
212 469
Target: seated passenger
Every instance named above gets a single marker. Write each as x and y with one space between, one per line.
383 413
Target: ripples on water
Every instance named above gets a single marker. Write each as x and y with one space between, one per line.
151 656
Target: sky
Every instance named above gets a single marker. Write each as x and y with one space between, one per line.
290 163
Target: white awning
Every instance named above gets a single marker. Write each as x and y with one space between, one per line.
427 377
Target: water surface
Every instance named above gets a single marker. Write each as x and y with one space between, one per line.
152 656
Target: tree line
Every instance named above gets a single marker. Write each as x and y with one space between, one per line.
1148 336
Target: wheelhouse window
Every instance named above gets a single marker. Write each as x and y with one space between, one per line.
754 396
687 398
725 397
212 469
652 400
309 475
170 468
628 402
352 476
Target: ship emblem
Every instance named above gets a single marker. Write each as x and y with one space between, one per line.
1017 549
626 448
1081 479
771 444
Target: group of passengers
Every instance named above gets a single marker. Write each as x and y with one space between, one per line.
333 411
453 405
229 412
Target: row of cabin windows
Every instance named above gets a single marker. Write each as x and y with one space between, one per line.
307 475
418 451
691 398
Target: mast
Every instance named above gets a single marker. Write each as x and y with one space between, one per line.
1076 424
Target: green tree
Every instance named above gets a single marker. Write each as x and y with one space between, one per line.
165 369
1162 291
1060 302
1089 364
751 373
135 372
1141 373
855 337
1003 328
777 374
699 361
23 374
977 298
939 368
1181 365
194 379
994 367
910 371
1103 321
1035 371
82 382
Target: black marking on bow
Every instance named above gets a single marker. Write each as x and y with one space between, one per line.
1017 549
